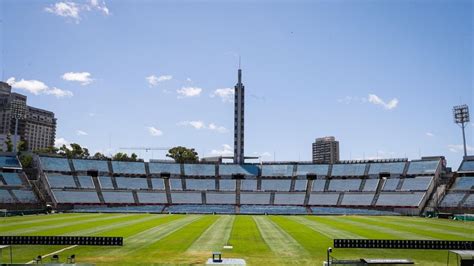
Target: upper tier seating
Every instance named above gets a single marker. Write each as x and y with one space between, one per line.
422 167
259 209
323 198
464 183
158 184
344 185
418 183
25 195
131 183
276 185
318 184
86 181
292 198
227 185
170 168
105 182
69 196
371 185
467 166
137 168
392 168
55 164
220 198
254 198
391 184
348 169
200 169
400 199
9 161
452 199
300 185
12 179
118 197
248 185
248 170
277 170
200 184
61 181
319 169
357 199
154 197
176 184
86 165
186 197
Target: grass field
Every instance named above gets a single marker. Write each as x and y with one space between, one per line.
260 240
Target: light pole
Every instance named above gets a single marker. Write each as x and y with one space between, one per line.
461 117
328 253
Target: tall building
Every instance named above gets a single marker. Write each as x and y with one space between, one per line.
35 126
326 150
239 120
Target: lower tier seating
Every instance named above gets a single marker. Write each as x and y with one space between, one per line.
257 209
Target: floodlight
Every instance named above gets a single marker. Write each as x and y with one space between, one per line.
461 117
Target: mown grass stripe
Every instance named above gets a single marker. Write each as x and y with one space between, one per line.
215 237
326 230
447 225
279 241
45 219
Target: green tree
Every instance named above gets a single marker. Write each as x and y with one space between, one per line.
76 151
120 156
26 160
183 155
99 156
9 143
48 150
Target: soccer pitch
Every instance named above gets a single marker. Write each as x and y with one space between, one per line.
260 240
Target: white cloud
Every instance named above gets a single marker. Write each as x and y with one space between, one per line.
201 125
154 80
429 134
263 154
188 92
378 101
73 10
226 94
351 99
225 151
459 148
81 133
37 87
82 77
59 142
154 131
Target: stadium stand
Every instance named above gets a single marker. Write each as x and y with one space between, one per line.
134 168
220 198
9 162
248 170
357 199
68 196
289 198
277 170
152 197
371 185
131 183
417 184
323 199
158 184
118 197
391 184
300 185
55 164
249 185
227 185
61 181
160 168
106 182
464 183
255 198
348 169
314 169
349 211
452 199
423 167
219 209
344 185
276 185
24 195
176 184
396 168
319 184
200 170
12 179
259 209
200 184
467 166
186 197
87 165
5 196
469 202
86 182
404 199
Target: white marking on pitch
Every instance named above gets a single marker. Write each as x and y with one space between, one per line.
52 253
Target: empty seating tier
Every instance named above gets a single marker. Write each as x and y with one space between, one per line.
318 184
186 197
467 166
248 185
86 181
391 184
464 183
300 185
200 184
176 184
314 169
323 199
153 197
417 184
5 196
357 199
106 182
469 203
88 165
277 170
220 209
200 170
371 185
276 185
422 167
452 199
118 197
254 198
68 196
248 170
25 195
131 183
9 162
12 179
134 168
61 181
227 185
289 198
55 164
160 168
253 209
158 184
401 199
347 211
348 169
344 185
220 198
392 168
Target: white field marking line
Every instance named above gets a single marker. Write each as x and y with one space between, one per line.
279 241
420 227
61 225
435 221
324 229
215 236
102 228
380 228
52 253
154 234
41 220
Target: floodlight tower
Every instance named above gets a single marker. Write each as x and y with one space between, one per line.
239 119
461 117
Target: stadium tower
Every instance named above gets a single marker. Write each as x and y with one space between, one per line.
239 120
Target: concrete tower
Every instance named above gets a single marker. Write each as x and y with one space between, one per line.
239 120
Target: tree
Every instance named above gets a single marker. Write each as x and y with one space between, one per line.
9 143
48 150
99 156
26 160
76 151
183 155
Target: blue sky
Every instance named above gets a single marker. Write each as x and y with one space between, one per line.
381 76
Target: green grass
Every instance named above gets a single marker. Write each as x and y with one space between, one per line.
260 240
